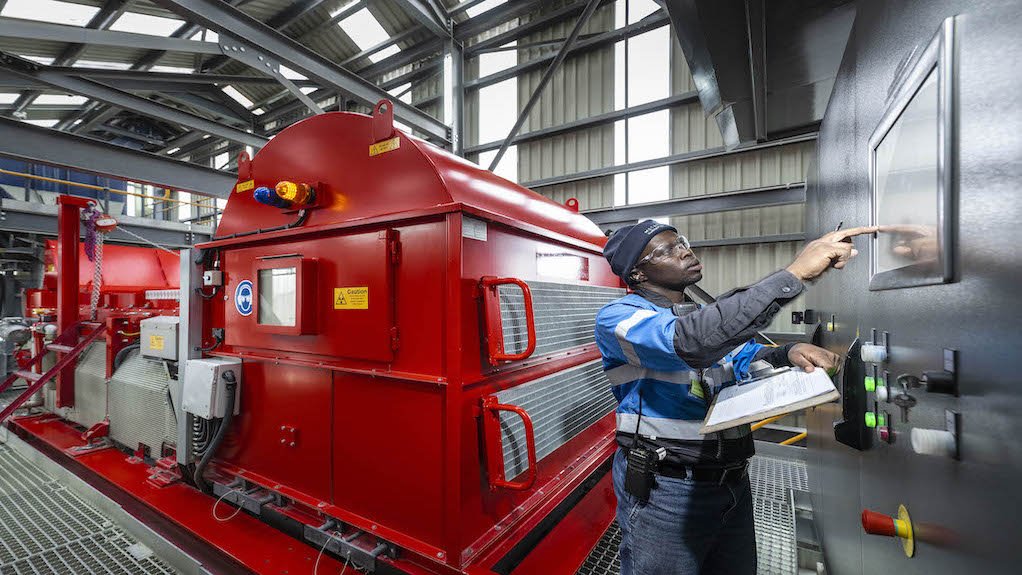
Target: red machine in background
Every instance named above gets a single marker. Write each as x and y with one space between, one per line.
137 283
397 355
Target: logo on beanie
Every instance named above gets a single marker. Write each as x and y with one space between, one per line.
651 229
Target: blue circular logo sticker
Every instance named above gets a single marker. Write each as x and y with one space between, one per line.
243 298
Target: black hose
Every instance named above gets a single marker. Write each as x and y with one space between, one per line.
230 386
123 354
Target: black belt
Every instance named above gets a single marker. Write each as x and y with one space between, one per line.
718 475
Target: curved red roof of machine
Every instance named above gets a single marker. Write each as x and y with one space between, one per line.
332 152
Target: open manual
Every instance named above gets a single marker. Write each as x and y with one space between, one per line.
758 399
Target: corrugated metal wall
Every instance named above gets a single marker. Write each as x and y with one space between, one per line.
728 267
584 87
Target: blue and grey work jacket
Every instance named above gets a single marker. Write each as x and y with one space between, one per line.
676 358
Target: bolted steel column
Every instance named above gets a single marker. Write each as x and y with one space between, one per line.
454 93
68 314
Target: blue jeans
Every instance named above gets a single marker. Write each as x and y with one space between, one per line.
686 528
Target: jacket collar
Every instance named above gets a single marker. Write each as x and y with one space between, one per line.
661 300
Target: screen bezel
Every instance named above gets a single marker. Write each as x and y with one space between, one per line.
939 55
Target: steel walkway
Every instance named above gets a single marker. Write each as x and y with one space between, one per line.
45 528
772 479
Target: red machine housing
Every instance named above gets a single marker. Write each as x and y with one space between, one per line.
377 407
128 272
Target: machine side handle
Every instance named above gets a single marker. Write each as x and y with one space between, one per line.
495 445
494 327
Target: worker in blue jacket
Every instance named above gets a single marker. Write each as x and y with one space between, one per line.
684 500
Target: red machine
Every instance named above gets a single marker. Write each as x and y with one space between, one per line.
419 387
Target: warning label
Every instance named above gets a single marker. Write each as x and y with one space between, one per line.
244 186
385 146
351 298
156 342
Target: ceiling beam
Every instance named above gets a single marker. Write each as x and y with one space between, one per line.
42 145
227 20
126 100
32 30
109 13
147 61
428 14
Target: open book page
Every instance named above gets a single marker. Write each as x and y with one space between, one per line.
787 391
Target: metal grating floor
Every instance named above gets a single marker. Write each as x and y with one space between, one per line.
772 478
45 528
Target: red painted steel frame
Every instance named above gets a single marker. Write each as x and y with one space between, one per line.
68 220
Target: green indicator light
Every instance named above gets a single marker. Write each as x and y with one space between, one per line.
881 420
871 419
881 382
870 382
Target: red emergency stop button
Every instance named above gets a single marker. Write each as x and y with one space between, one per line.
878 524
901 526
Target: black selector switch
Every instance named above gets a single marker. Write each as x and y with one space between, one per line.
852 430
945 380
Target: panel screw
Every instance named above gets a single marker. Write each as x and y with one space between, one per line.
321 504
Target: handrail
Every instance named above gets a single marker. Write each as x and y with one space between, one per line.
163 198
496 472
768 421
796 438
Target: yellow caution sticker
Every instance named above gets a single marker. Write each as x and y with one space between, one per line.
385 146
156 342
351 297
244 186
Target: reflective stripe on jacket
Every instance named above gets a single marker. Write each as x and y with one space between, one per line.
637 340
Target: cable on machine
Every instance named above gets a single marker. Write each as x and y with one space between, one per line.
230 387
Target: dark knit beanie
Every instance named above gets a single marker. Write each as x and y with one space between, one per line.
626 244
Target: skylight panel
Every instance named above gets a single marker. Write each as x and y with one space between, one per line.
386 52
102 64
308 90
145 24
43 123
8 98
211 36
237 96
172 69
291 74
50 11
60 99
44 60
483 7
365 31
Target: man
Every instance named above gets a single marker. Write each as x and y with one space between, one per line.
684 501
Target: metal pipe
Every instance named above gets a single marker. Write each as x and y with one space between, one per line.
796 438
767 421
547 76
101 188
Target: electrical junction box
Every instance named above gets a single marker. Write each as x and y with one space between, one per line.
204 393
159 337
212 278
